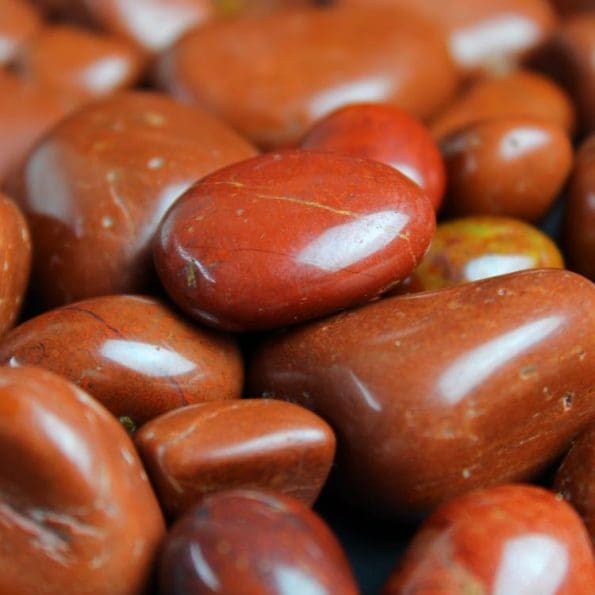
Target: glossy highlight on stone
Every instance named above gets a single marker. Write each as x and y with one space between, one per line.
579 218
133 354
19 22
437 393
26 114
257 444
503 540
520 93
70 59
575 479
96 188
513 167
253 543
77 513
289 236
387 134
152 24
474 248
285 71
483 35
15 261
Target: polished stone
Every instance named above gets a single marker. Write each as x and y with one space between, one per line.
503 540
289 236
253 543
441 392
77 513
249 443
133 354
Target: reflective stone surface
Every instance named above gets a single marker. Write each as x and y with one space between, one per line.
96 188
249 443
579 224
508 166
289 236
520 93
387 134
133 354
15 261
26 113
18 24
152 24
474 248
503 540
434 394
80 62
253 543
77 513
285 71
483 35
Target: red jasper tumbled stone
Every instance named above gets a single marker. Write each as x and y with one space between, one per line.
272 77
384 133
194 451
575 479
95 189
15 261
77 513
437 393
27 112
503 540
579 219
244 542
81 62
133 354
290 236
19 23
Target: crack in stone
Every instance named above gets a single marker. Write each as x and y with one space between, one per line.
293 199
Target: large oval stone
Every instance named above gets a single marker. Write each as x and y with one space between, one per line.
133 354
434 394
272 77
483 35
289 236
77 513
96 188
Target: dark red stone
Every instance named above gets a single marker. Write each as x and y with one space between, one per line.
440 392
575 479
248 443
15 262
133 354
510 166
272 77
387 134
579 220
253 543
96 188
503 540
77 513
289 236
